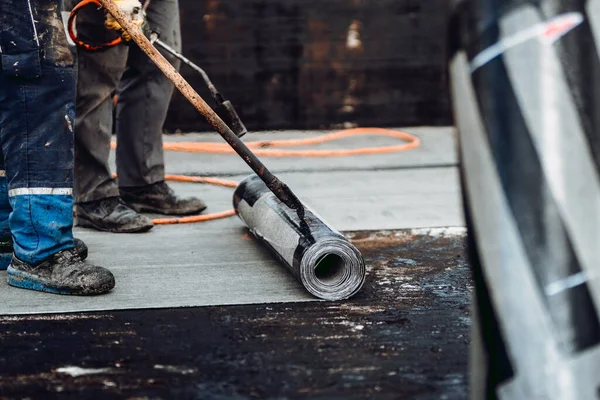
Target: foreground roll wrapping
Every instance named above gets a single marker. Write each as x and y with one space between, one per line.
324 261
524 85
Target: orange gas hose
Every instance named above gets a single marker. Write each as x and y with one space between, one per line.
71 29
265 148
197 218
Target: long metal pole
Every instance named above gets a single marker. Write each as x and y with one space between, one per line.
279 189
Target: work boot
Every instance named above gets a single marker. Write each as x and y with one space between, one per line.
111 215
62 273
160 198
6 251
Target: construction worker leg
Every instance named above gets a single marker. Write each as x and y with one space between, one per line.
36 128
144 95
98 75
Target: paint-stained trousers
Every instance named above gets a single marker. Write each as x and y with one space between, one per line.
37 111
144 95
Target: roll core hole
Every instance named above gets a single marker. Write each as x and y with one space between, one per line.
330 269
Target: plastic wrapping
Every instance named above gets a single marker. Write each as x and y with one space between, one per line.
525 79
321 258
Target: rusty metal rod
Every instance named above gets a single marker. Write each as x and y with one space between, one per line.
279 189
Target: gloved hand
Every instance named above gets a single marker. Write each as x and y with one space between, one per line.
134 9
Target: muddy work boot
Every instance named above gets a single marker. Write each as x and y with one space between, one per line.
111 215
6 251
160 198
62 273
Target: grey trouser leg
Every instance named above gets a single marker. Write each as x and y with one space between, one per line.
144 95
98 75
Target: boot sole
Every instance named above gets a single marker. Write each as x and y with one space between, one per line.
140 207
87 223
25 280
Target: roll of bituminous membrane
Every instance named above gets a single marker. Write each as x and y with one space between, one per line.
321 258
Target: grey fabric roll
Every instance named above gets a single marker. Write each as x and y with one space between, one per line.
323 260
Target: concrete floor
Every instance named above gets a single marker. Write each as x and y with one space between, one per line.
218 263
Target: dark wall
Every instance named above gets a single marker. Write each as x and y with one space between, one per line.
317 63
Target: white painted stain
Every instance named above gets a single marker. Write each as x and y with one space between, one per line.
353 326
176 369
449 231
410 287
353 370
78 371
69 124
53 317
440 232
333 337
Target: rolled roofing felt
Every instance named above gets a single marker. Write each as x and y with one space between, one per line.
323 260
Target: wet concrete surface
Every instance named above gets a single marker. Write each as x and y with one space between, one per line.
404 336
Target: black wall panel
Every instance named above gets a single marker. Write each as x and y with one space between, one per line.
317 63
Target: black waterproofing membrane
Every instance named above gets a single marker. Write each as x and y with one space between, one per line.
323 260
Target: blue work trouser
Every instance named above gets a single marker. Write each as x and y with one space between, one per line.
37 111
